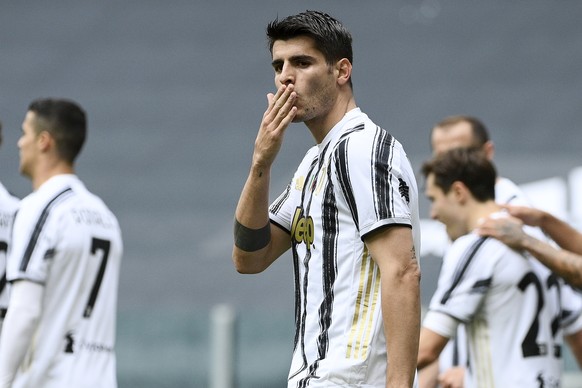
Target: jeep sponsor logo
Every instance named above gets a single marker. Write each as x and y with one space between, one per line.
302 229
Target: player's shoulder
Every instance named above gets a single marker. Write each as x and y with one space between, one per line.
508 192
7 199
473 247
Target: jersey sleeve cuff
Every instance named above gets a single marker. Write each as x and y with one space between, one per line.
441 323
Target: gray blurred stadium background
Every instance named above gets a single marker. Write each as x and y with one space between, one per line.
175 91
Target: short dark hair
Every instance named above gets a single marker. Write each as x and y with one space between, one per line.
467 165
330 36
65 120
479 130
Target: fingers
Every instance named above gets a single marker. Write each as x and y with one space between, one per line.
280 111
279 114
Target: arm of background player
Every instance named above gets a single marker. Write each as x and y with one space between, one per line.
428 376
509 231
562 233
430 347
393 251
25 308
575 343
252 212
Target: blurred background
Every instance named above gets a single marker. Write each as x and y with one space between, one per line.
175 91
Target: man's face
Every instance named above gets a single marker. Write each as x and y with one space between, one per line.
458 135
27 144
445 208
296 61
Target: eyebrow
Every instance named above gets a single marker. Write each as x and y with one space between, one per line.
295 58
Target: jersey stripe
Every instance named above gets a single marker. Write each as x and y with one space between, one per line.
341 163
365 307
483 364
329 241
38 227
382 174
462 267
301 305
275 206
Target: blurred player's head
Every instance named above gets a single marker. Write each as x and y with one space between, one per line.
461 131
65 121
456 180
330 37
53 128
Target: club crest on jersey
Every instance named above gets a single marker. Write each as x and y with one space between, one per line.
302 229
299 183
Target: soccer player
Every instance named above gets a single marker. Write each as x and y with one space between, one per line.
349 215
8 206
467 131
508 309
63 264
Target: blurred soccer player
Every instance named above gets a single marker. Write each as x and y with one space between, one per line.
468 131
63 264
508 308
8 206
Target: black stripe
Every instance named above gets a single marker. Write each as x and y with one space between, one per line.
38 229
382 174
276 206
511 199
343 176
301 304
3 248
464 264
329 273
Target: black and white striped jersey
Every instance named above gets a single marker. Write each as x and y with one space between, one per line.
357 180
66 239
8 207
510 312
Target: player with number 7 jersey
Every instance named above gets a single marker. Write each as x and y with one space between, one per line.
67 240
63 263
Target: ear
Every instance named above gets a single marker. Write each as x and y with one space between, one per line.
460 192
44 141
344 71
489 149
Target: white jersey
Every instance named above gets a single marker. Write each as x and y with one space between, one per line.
8 207
66 239
356 181
455 353
507 310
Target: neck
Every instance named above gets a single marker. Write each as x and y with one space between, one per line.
44 175
481 210
320 126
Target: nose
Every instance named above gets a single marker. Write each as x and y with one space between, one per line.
286 76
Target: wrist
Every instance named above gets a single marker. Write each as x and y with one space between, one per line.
260 170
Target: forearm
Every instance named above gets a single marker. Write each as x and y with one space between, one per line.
428 377
575 343
18 329
562 233
253 206
252 230
566 264
401 311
